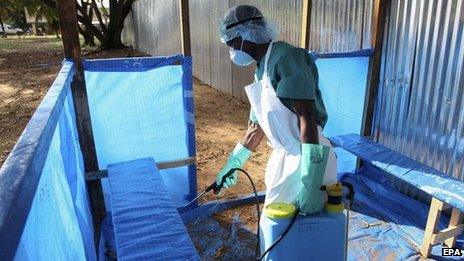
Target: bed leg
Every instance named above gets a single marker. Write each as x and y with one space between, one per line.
455 221
436 207
448 235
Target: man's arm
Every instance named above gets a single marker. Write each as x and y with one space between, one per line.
313 158
253 136
240 154
306 112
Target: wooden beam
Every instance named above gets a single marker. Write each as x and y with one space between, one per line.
176 163
450 232
99 174
306 24
70 36
380 12
455 220
431 227
448 235
69 31
185 27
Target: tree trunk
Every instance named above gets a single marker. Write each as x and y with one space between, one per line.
109 36
89 38
113 37
118 13
3 27
34 29
54 26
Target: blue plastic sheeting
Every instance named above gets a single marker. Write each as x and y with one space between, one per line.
59 225
396 228
444 188
143 107
343 83
396 221
230 240
146 223
107 244
214 206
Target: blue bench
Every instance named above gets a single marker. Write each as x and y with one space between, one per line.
146 223
446 191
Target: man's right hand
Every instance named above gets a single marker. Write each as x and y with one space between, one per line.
253 136
237 159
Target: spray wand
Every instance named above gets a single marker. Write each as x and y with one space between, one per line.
214 187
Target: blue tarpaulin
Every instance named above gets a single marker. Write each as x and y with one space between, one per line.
396 221
143 107
58 225
140 107
146 223
384 225
444 188
343 86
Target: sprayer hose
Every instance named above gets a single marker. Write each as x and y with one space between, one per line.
257 205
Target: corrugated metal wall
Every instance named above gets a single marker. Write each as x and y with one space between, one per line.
153 27
340 25
420 111
336 25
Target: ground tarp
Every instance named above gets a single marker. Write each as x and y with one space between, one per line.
384 225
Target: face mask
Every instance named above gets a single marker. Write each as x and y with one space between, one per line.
240 57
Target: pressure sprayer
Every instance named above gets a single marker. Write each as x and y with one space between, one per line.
322 236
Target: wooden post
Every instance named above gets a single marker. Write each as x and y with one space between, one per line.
455 220
433 236
70 36
185 27
306 24
69 32
433 218
381 8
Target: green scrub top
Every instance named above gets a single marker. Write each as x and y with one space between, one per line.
294 76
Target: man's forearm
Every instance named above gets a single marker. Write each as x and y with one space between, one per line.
306 113
253 136
308 130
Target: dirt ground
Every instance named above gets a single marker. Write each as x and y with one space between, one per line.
28 66
221 122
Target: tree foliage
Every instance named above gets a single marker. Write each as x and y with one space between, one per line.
45 11
95 20
109 34
6 7
17 18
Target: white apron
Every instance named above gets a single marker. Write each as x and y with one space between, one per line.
282 176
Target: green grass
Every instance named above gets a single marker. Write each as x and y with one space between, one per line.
21 43
39 43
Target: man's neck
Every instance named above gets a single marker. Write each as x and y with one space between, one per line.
261 51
